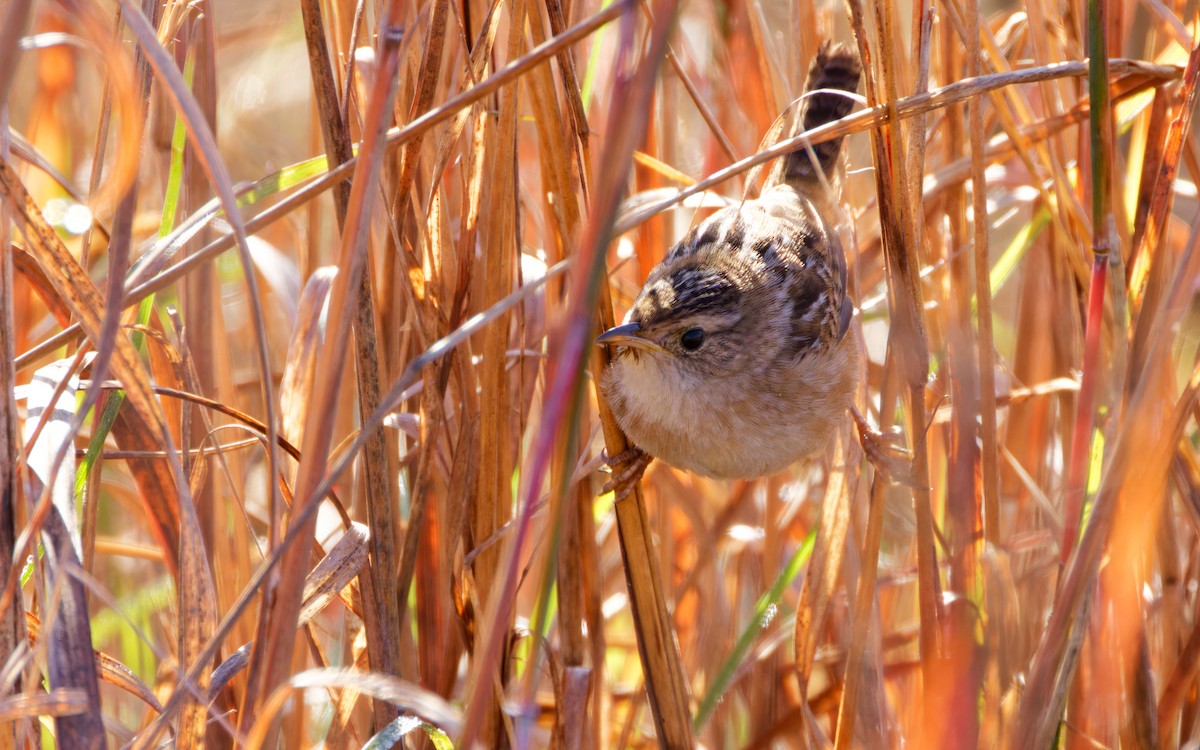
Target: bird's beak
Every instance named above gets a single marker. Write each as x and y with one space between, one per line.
629 335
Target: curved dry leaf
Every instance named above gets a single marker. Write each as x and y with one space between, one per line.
326 581
111 670
57 703
335 571
49 432
27 266
300 367
197 605
402 693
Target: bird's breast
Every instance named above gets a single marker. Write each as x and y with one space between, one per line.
732 428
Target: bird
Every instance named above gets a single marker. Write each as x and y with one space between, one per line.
736 358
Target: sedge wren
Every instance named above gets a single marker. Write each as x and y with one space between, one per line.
734 360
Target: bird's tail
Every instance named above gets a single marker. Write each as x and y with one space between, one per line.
835 68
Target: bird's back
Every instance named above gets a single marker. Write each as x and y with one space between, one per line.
787 236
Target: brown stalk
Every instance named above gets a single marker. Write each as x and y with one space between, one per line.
12 626
1152 154
200 342
491 504
561 201
383 621
866 592
907 330
1162 194
821 577
959 675
1187 665
983 294
580 130
199 547
666 685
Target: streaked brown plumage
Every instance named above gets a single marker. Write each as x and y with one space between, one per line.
734 359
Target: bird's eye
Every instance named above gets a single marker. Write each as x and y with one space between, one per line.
692 339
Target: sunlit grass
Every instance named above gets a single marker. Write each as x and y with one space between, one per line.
514 619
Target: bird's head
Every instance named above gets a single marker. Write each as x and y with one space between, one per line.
688 317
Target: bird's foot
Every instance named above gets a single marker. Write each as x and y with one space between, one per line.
627 469
884 451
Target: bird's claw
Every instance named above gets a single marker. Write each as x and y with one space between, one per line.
627 469
884 451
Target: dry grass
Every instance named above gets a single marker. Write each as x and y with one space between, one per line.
199 310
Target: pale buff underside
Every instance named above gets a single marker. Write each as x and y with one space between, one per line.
742 429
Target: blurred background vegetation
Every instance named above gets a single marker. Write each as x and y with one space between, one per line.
185 283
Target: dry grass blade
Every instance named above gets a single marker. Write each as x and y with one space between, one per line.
492 507
821 578
408 697
12 635
110 670
863 617
983 294
198 619
335 571
51 462
427 80
1184 674
305 345
55 703
328 580
866 592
